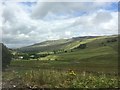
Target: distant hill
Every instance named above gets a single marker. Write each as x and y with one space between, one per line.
65 44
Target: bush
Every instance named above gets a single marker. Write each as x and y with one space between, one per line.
112 40
103 44
82 46
65 51
26 56
6 57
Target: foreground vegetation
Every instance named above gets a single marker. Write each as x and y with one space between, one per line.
60 79
90 63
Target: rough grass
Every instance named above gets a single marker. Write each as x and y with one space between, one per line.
57 79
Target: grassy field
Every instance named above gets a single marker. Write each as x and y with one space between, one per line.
96 66
100 59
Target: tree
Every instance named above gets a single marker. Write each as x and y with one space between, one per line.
54 52
112 40
26 56
65 51
6 56
82 46
103 44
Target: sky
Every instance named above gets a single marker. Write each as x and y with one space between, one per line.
26 23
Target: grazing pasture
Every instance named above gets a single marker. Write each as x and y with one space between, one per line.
68 66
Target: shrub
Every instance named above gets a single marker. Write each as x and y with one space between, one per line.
65 51
82 46
103 44
6 57
112 40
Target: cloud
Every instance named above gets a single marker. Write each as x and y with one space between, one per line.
98 23
45 21
42 9
102 16
1 19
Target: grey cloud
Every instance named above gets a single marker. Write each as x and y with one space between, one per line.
43 8
102 17
79 21
8 15
16 28
91 20
16 45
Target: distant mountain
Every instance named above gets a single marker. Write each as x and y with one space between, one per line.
61 44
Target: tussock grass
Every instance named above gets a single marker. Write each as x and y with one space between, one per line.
63 79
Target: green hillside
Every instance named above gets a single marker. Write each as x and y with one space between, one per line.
55 44
99 54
